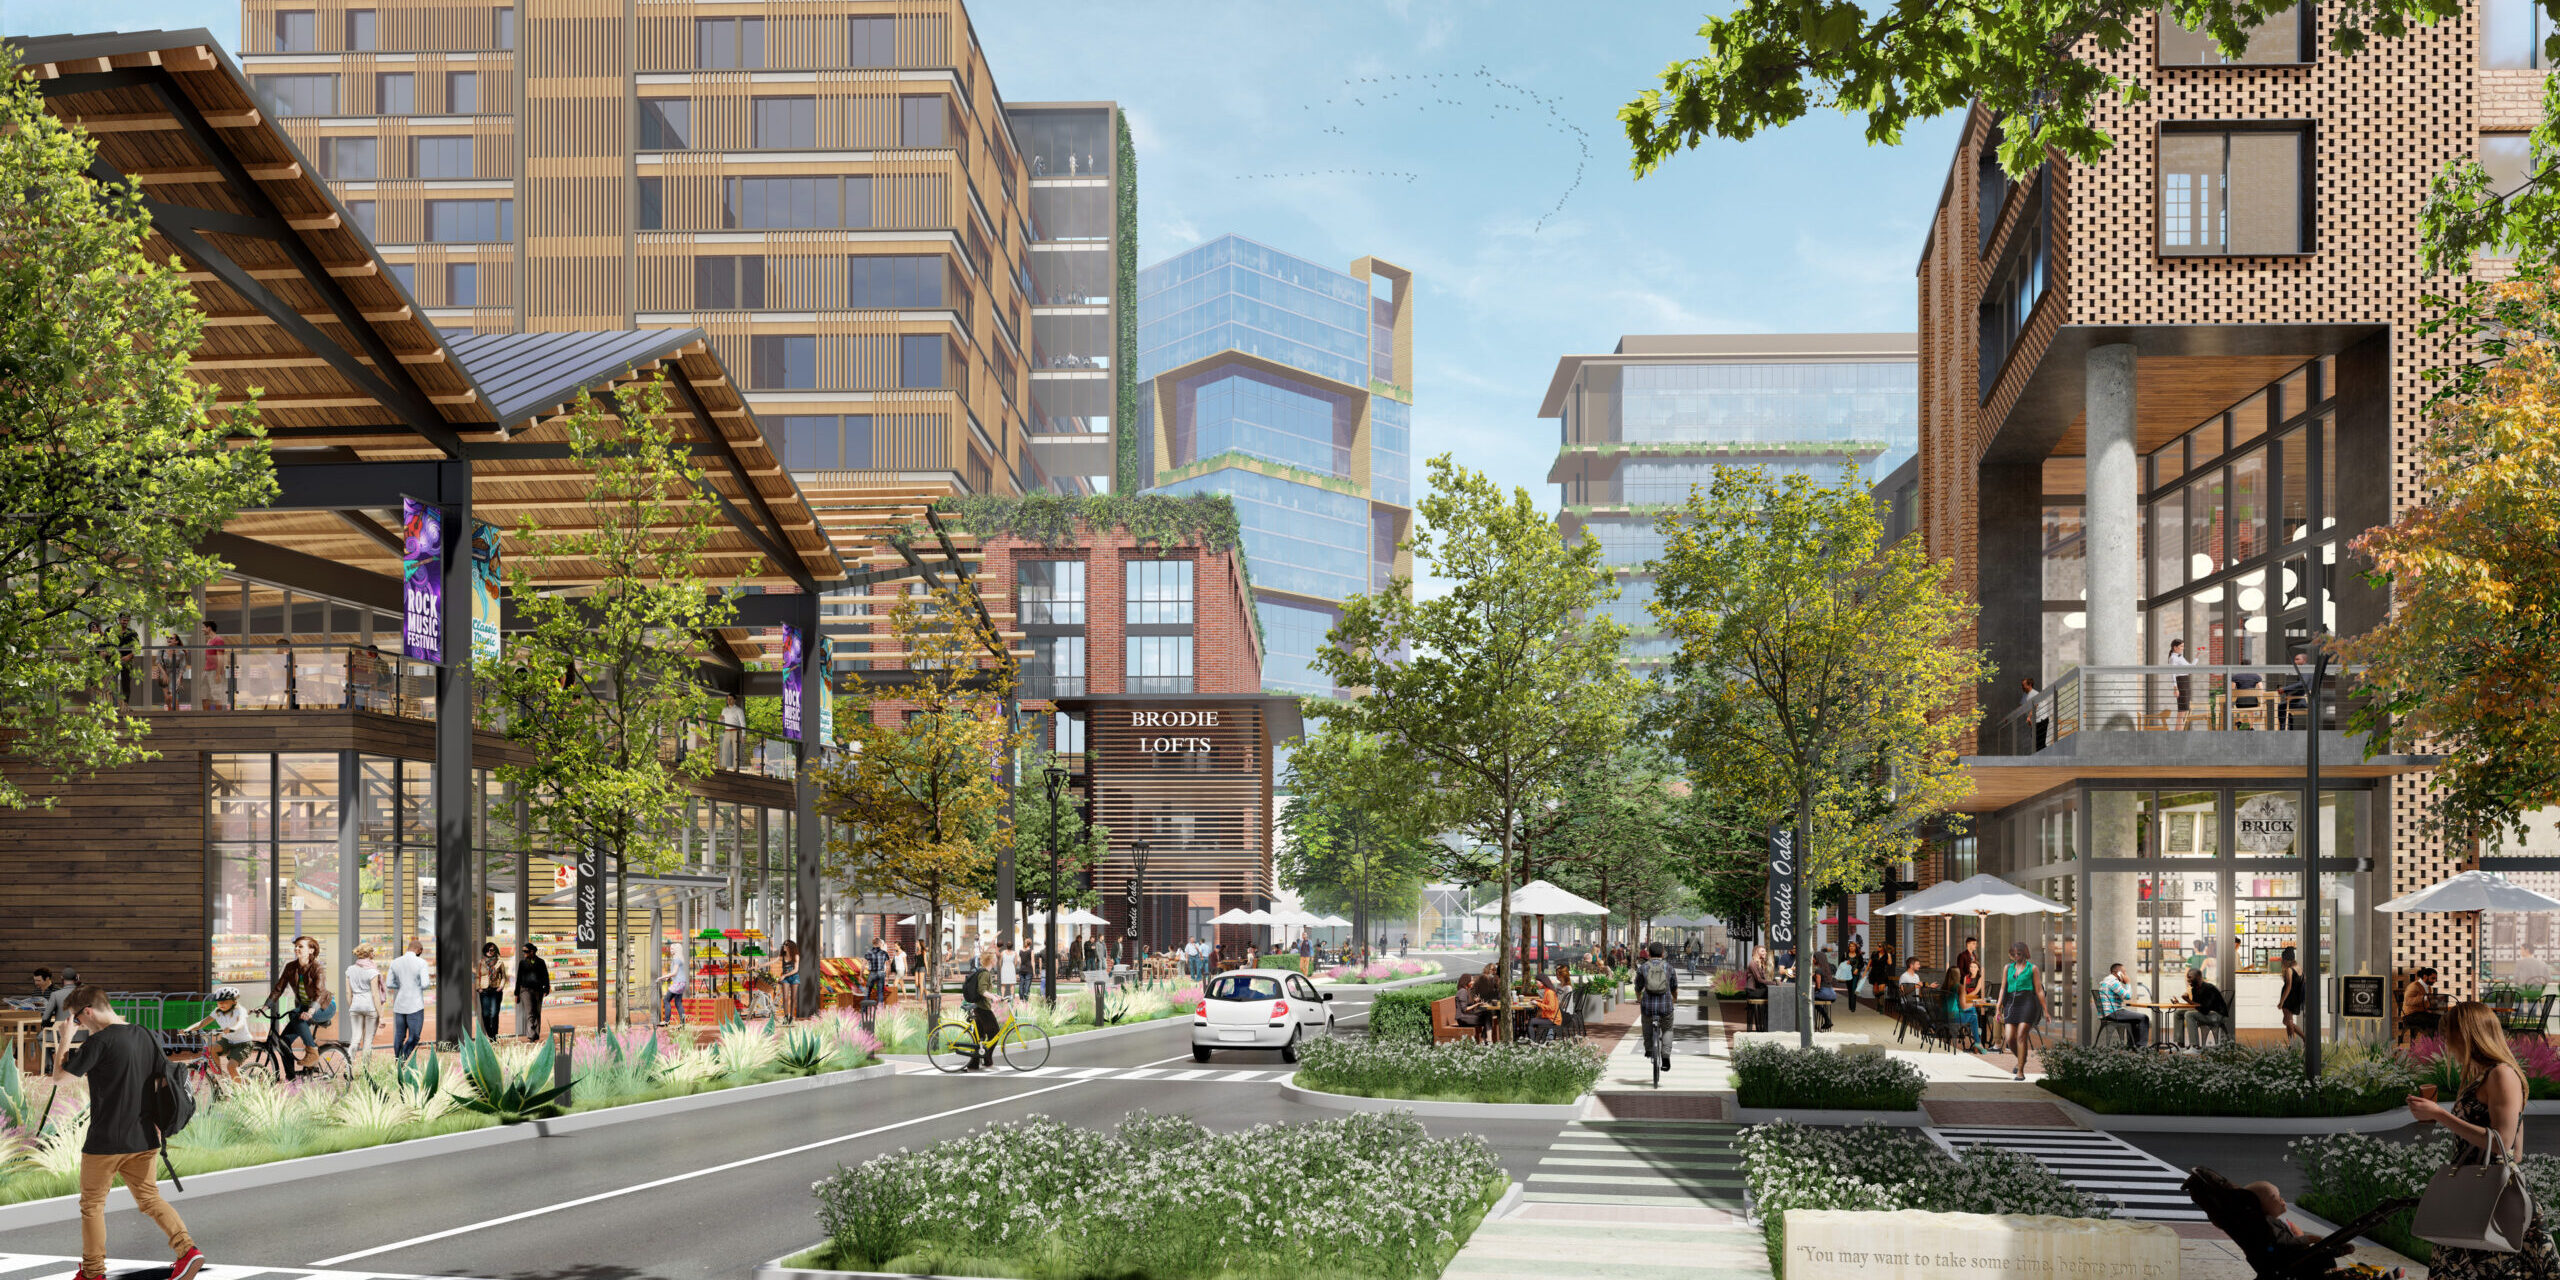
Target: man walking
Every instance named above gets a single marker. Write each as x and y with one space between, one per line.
533 982
121 1062
407 977
875 978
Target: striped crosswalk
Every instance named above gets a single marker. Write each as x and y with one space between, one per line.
2141 1185
32 1266
1162 1075
1640 1163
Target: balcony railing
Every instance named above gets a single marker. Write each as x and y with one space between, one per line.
278 677
2172 699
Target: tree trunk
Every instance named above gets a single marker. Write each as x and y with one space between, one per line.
933 964
621 937
1803 921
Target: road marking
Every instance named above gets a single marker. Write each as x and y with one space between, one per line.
2142 1186
687 1176
11 1263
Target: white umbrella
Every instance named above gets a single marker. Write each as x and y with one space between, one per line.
1334 922
1256 917
2473 891
1232 915
1980 895
1921 903
1538 898
1082 916
913 920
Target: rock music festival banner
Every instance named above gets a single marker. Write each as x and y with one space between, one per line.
422 580
791 642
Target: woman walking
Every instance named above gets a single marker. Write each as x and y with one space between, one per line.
2290 999
2021 1002
365 1001
490 976
2491 1101
787 966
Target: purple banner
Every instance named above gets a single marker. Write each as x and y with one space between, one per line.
791 655
422 580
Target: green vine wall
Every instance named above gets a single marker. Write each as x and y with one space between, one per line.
1206 520
1124 356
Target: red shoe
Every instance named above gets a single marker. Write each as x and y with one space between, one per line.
187 1265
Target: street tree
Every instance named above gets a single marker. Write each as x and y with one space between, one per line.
920 794
2462 667
1494 689
602 683
1356 839
1816 666
119 461
1081 844
1609 832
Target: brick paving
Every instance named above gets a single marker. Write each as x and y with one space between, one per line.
2006 1114
1662 1106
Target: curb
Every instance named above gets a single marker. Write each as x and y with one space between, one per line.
1512 1196
66 1208
1813 1116
774 1270
1479 1110
2378 1122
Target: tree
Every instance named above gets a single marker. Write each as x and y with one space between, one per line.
1357 841
119 462
1815 667
604 678
1494 690
1615 844
1081 845
2464 663
921 793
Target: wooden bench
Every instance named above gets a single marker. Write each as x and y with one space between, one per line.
1444 1021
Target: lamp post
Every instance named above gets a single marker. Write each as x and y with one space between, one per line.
2308 825
1137 906
1057 778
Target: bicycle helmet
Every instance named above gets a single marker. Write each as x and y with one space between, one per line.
225 993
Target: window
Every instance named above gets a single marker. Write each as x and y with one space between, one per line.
406 273
2283 37
504 29
724 282
728 42
857 441
470 221
920 357
2234 191
462 93
440 157
873 43
395 93
348 159
297 31
2016 286
2512 35
920 121
782 202
785 362
666 124
1159 664
857 203
1067 734
1049 592
359 29
2509 159
649 204
298 95
786 123
462 284
1055 668
360 215
810 442
1160 593
894 280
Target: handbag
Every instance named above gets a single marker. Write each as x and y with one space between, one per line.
2483 1206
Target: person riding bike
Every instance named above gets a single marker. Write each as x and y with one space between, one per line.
982 1014
1657 989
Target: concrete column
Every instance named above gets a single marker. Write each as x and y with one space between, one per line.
2111 515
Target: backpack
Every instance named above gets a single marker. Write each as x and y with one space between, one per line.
1654 978
166 1101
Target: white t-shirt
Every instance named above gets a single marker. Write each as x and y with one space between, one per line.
360 976
232 1027
1911 979
408 979
676 976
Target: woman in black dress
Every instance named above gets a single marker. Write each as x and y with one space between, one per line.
2492 1099
2290 998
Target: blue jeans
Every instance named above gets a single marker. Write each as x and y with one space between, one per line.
405 1030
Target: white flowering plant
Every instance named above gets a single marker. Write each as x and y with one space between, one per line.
1557 1071
1769 1075
1871 1167
2347 1175
1368 1196
2230 1080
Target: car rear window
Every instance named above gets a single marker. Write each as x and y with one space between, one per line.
1244 987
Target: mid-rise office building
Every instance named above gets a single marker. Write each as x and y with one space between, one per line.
1640 425
1288 387
833 191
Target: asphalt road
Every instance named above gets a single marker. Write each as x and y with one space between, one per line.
708 1193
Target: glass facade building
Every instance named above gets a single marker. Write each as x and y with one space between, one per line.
1286 386
1641 426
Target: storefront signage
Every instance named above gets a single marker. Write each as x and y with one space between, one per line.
826 690
2362 996
2265 822
485 576
1182 744
791 681
1782 887
590 902
422 580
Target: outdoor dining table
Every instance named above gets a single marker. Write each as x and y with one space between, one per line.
2178 1011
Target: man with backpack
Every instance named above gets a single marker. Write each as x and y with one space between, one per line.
1657 989
136 1100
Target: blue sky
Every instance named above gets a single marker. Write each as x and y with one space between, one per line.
1467 170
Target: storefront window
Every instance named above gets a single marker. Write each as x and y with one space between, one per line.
2183 824
274 823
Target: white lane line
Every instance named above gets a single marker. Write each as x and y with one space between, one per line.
1188 1075
1141 1073
1089 1073
1240 1076
687 1176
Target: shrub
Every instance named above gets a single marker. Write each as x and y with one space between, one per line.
1768 1075
2540 1061
2346 1175
1405 1013
1872 1167
2228 1080
1461 1071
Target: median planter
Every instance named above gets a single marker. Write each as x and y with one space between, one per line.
1461 1073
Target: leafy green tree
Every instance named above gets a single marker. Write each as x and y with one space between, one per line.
119 462
1494 690
1081 845
1357 841
603 682
1615 843
1816 666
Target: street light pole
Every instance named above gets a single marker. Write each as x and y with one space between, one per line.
1057 777
2309 827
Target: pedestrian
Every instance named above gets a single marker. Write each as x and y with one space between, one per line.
671 1010
1008 970
1404 944
407 979
123 1065
1847 973
898 968
2021 1002
533 986
2178 658
2289 998
788 966
312 1006
231 1041
982 1014
875 978
51 1014
490 977
2490 1104
364 1001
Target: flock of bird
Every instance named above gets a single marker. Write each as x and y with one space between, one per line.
1429 90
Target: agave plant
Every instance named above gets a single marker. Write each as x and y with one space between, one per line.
806 1051
512 1098
16 1108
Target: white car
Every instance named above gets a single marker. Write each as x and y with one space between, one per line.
1259 1009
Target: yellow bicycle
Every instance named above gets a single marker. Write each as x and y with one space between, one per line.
1022 1045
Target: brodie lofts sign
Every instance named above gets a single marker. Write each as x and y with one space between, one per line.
1173 744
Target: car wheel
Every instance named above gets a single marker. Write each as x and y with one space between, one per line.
1199 1053
1289 1051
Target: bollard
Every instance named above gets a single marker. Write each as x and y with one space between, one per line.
564 1043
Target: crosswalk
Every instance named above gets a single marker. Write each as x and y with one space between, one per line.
31 1266
1640 1163
2142 1186
1160 1075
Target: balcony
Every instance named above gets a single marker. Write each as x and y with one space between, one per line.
2176 704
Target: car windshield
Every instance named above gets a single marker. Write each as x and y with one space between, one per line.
1244 986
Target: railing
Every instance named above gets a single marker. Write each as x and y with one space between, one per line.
276 677
2175 699
734 750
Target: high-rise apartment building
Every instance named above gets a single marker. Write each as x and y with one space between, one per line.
1639 426
1288 387
832 190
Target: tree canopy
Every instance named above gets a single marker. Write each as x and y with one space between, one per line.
1356 839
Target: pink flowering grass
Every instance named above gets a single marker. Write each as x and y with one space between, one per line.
1189 996
1376 972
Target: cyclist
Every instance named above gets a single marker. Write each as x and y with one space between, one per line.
982 1014
313 1006
231 1040
1657 989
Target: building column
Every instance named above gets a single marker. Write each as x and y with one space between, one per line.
457 882
2110 515
807 835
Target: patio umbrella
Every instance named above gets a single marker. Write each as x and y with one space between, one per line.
1834 920
1082 916
1232 915
1539 898
1334 922
1921 903
1980 895
2473 891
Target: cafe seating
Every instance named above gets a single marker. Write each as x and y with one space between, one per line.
2110 1029
2530 1017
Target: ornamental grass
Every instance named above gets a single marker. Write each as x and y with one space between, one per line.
2230 1080
1557 1071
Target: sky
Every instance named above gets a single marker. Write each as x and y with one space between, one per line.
1475 143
